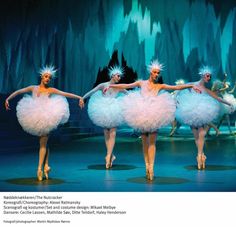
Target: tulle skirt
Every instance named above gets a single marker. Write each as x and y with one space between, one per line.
105 111
147 114
196 109
40 115
226 108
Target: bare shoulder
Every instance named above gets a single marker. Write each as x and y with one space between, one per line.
139 82
162 86
53 90
30 88
102 85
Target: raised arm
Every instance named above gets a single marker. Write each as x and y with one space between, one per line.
18 92
226 86
232 91
66 94
213 94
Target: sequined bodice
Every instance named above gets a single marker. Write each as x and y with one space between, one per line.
147 90
36 93
110 92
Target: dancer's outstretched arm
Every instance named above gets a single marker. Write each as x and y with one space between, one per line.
125 86
98 87
232 91
212 94
14 94
179 87
88 94
66 94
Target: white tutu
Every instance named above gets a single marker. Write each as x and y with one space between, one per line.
196 109
148 113
226 108
40 115
105 110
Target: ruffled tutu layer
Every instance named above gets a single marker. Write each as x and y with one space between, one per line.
40 115
105 111
229 98
147 114
196 109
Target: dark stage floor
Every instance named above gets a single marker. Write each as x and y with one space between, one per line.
79 166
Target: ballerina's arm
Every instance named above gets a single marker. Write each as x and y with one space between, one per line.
18 92
123 86
226 86
213 94
233 89
180 87
88 94
98 87
66 94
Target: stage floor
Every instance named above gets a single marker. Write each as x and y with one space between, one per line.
79 166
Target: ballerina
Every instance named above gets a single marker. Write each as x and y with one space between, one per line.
175 124
105 111
198 110
227 94
42 112
147 110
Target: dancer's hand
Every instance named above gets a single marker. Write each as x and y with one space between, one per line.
105 90
197 89
81 103
7 106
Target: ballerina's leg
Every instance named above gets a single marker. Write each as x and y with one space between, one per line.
145 144
42 153
152 153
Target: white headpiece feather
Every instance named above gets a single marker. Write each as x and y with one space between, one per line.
113 70
205 70
155 64
49 70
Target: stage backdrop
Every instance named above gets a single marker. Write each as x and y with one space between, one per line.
78 37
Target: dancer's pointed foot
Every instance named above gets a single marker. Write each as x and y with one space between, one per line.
150 172
113 157
46 171
199 161
108 161
40 175
203 161
147 171
151 176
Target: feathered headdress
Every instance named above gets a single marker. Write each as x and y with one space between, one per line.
205 70
49 70
155 64
113 70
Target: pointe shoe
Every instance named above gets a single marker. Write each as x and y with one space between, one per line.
151 173
113 157
199 161
147 174
108 161
40 175
46 171
147 171
151 176
203 157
